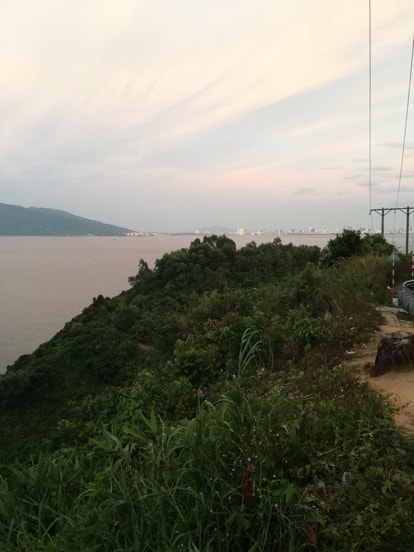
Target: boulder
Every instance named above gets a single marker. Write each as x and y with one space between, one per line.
395 352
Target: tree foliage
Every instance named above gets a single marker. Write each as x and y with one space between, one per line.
206 408
350 243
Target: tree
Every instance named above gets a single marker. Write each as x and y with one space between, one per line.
144 275
347 244
376 244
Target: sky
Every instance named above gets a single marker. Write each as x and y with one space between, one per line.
174 115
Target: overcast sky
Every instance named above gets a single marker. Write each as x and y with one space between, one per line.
173 115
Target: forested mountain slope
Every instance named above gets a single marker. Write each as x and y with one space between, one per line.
37 221
206 408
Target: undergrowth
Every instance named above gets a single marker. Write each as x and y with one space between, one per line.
281 461
207 410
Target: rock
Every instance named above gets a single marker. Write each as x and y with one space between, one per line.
395 351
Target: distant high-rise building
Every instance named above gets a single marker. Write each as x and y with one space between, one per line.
240 231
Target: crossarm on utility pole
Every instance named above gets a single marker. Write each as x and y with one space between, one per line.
385 210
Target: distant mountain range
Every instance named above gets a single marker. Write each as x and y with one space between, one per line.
37 221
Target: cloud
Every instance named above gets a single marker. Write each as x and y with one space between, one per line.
398 145
381 168
147 102
305 191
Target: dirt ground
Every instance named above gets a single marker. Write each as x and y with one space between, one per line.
398 385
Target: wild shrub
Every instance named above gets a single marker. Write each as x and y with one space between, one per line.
207 409
280 460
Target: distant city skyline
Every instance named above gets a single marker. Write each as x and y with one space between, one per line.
220 229
169 116
300 230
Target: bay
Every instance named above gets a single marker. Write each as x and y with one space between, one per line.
46 281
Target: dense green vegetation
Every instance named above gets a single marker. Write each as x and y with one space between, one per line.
38 221
207 408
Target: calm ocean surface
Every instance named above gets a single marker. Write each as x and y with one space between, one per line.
46 281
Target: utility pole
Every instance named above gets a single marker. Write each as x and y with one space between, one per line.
385 210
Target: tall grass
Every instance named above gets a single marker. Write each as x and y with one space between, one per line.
258 470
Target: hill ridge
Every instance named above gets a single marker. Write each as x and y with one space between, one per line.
16 220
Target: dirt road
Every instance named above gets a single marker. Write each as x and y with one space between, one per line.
398 385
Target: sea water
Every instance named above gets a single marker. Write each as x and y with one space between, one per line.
46 281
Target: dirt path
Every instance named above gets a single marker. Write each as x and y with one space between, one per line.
398 385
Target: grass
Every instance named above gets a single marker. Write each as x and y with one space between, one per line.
260 469
225 442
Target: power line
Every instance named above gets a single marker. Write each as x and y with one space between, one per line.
405 134
405 126
370 109
385 210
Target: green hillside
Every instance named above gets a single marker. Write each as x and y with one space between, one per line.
207 408
36 221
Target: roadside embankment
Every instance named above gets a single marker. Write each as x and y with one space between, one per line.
398 385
